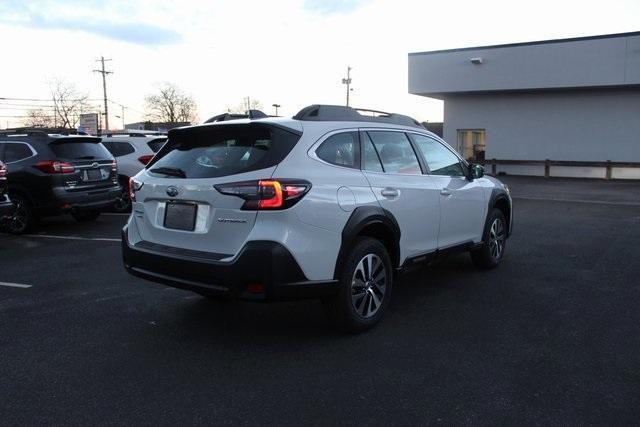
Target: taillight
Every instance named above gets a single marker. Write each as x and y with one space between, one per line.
114 166
3 170
51 166
145 159
134 185
267 194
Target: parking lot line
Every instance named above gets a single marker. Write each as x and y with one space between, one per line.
597 202
97 239
14 285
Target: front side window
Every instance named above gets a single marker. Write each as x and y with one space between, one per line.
370 158
395 152
440 159
14 152
340 149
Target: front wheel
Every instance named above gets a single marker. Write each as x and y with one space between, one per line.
495 241
365 285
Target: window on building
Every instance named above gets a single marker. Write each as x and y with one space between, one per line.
395 152
471 144
340 149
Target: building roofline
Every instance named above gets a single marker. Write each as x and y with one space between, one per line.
533 43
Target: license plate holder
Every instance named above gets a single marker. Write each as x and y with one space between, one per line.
180 216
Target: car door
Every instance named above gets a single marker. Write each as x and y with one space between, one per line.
391 166
462 201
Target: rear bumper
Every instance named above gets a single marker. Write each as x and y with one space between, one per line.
5 206
259 263
97 198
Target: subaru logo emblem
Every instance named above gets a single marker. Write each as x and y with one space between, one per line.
95 164
172 191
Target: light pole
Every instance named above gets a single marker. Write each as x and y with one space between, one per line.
347 82
276 106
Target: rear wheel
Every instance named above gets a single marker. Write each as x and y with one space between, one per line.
365 285
495 240
85 215
21 218
122 203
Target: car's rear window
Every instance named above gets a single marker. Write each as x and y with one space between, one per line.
78 150
215 151
156 144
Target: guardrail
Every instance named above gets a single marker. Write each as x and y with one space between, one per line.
608 165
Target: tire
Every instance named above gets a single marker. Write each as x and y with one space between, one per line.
363 296
495 241
22 218
122 203
85 215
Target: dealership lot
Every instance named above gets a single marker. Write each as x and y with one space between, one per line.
551 336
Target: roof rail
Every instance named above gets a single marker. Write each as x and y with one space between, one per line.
251 114
28 132
132 134
321 113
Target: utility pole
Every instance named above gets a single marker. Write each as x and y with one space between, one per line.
347 82
104 88
276 106
248 104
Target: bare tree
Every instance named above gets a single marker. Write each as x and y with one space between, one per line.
39 118
171 105
242 107
68 103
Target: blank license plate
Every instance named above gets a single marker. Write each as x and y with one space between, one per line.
93 175
180 216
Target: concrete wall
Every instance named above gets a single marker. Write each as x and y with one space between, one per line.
596 62
592 125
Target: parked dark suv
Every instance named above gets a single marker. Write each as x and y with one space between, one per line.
5 203
52 174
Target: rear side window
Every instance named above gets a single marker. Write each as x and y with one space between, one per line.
440 160
340 149
118 148
14 152
395 152
215 151
78 150
156 144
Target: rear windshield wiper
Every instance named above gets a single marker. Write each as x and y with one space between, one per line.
169 171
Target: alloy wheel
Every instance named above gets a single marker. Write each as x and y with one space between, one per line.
368 285
497 238
19 219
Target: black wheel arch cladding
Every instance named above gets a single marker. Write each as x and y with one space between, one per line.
365 218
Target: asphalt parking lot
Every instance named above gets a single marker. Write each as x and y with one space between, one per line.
550 337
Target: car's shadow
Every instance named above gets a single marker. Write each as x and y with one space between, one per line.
417 297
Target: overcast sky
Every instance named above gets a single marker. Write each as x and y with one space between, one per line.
290 52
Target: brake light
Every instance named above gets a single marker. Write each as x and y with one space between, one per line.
145 159
54 167
267 194
134 185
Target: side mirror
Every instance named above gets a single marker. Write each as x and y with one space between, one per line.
475 171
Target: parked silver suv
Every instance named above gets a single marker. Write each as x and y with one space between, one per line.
328 204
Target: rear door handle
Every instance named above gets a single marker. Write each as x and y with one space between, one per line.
390 192
445 192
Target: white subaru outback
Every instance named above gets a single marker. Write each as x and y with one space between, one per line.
329 204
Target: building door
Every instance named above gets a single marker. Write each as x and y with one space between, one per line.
472 144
